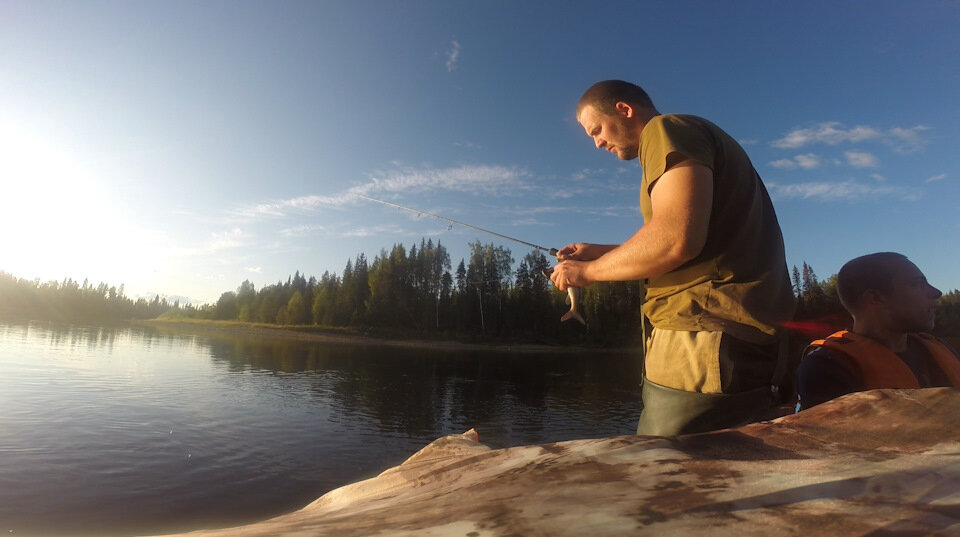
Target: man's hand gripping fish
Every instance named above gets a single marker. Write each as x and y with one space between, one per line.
573 298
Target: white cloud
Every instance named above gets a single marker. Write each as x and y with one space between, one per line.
591 181
281 208
879 177
255 270
586 190
807 162
831 133
622 211
300 231
784 163
608 211
453 55
587 173
904 140
936 178
543 209
859 159
387 229
486 180
477 180
529 222
907 140
837 191
225 240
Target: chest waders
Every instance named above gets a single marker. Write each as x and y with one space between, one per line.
668 411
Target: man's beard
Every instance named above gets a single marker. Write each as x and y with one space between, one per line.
628 154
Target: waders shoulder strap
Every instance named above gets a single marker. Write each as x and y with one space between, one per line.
643 332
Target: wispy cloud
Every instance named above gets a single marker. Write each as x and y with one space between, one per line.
837 191
486 180
591 174
831 133
225 240
907 140
807 162
859 159
611 211
878 177
453 55
384 230
530 222
543 209
300 231
477 180
281 208
562 192
936 178
903 140
255 270
589 181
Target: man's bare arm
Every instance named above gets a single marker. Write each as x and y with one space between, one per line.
681 201
584 251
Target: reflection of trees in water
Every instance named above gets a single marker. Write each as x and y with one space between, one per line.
100 337
73 336
320 416
426 393
421 393
65 335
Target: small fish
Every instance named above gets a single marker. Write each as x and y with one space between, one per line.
573 298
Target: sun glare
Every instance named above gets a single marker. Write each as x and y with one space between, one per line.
55 217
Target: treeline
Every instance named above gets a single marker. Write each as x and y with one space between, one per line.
819 304
817 300
416 291
70 301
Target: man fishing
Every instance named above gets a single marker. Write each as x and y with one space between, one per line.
712 253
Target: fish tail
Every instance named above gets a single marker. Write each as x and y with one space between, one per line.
573 314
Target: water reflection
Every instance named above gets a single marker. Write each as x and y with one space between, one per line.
511 397
130 430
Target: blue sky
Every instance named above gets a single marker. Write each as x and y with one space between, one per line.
184 147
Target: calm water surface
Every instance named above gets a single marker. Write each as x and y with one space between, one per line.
132 431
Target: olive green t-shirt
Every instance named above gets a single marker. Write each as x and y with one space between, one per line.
739 283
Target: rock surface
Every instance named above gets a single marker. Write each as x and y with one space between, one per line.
885 462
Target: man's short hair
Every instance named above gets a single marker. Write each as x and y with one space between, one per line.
865 273
605 95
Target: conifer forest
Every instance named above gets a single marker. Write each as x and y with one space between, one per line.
415 291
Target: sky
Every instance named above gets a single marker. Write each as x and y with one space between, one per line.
181 148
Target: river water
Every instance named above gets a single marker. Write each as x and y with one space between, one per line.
133 430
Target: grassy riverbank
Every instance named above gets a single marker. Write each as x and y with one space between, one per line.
352 336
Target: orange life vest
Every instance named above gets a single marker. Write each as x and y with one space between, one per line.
879 367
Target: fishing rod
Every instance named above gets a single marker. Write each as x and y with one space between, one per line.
551 251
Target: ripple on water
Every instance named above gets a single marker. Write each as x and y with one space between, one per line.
127 431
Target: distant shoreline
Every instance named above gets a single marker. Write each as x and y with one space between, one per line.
346 336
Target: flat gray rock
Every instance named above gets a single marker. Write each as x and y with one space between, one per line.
884 462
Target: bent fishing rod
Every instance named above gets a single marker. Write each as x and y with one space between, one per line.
551 251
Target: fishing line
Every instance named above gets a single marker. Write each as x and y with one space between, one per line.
551 251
